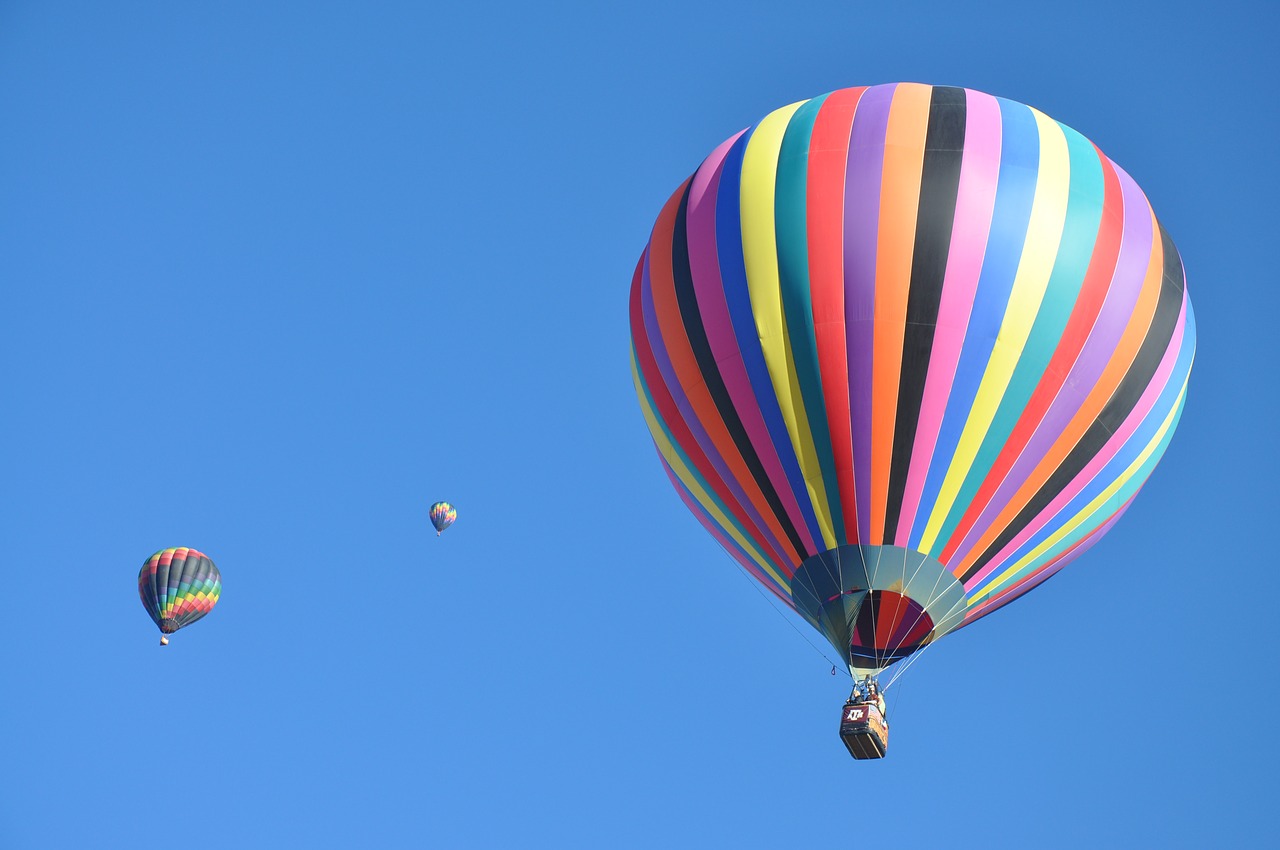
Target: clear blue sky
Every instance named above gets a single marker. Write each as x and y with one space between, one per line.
276 276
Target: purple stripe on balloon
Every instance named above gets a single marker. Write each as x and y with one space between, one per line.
1047 571
975 201
1103 457
674 387
1117 309
709 287
903 629
861 230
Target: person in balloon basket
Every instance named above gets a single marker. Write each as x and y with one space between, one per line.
866 691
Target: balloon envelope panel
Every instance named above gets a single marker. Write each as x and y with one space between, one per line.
443 515
915 317
178 586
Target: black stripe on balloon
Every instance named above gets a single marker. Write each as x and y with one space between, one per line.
939 186
159 587
1118 407
687 299
194 573
188 568
152 608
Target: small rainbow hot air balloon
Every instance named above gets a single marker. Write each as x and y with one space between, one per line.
442 516
178 586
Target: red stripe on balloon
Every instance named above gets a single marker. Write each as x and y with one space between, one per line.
1093 292
689 376
828 157
669 412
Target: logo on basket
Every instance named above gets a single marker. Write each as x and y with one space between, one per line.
854 714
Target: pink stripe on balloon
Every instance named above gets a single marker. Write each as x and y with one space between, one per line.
1136 416
1125 287
740 506
975 203
700 222
1046 571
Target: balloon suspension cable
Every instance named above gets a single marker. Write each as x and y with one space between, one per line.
915 656
772 605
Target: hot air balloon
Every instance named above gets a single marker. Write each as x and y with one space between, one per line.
442 516
178 586
906 351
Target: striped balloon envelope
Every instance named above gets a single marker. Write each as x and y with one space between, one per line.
906 351
442 515
178 586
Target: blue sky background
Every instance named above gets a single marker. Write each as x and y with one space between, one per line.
276 276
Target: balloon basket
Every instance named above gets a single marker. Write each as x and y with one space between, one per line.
864 730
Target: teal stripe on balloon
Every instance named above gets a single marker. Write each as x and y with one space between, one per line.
791 226
1169 399
1113 504
1085 197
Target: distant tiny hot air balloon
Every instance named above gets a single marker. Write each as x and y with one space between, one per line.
442 516
178 586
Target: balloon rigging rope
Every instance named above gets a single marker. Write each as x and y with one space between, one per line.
848 650
772 605
912 659
915 656
869 574
924 610
907 631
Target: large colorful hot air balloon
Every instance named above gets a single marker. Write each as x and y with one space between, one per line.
443 515
906 351
178 586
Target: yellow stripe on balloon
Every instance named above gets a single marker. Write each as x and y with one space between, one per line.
690 480
760 256
1089 510
1039 250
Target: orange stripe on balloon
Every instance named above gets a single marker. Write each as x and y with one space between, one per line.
668 412
890 611
903 165
1011 593
1134 333
685 362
